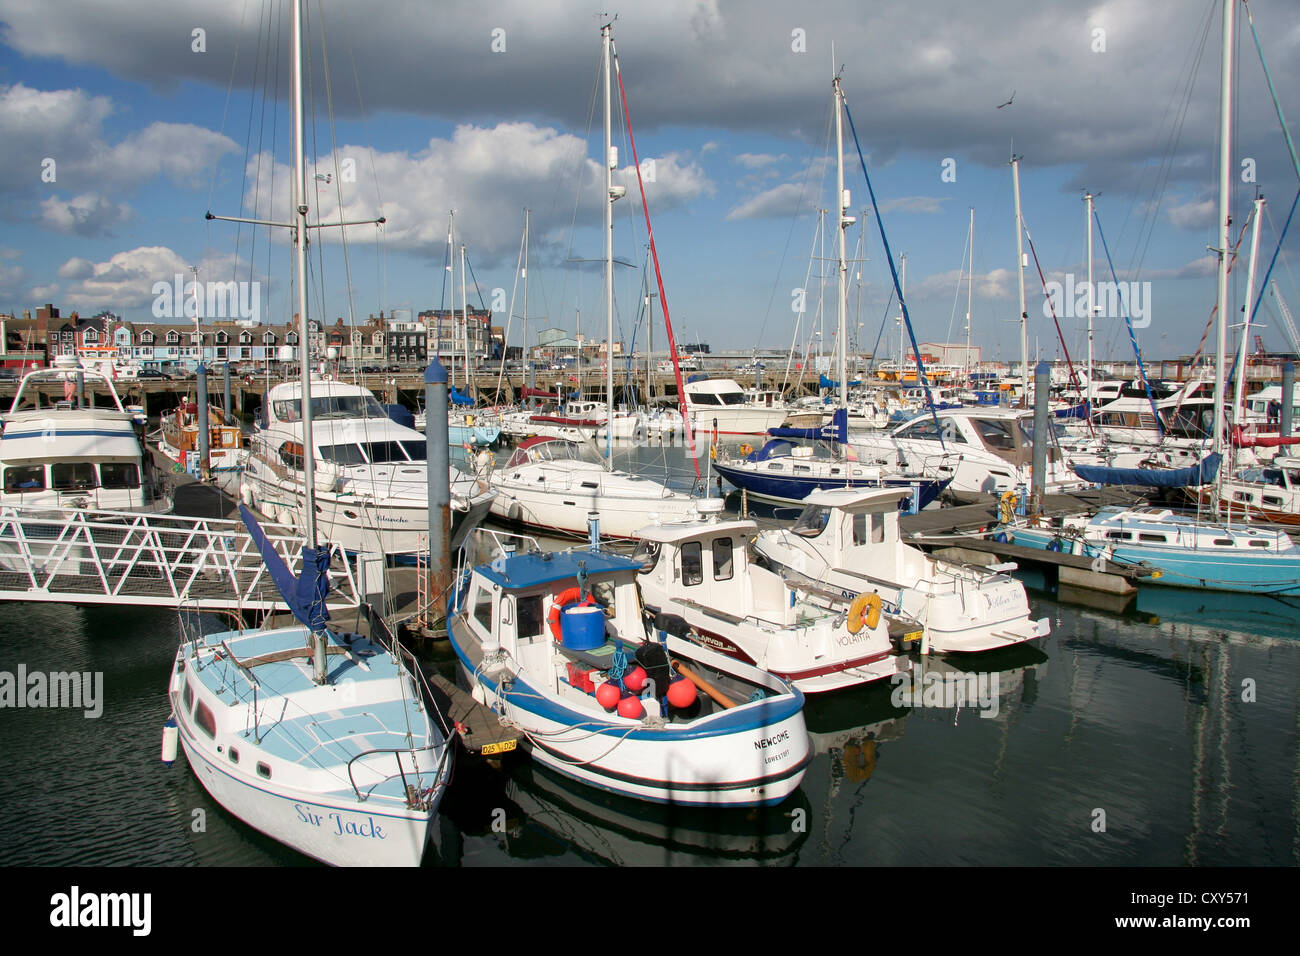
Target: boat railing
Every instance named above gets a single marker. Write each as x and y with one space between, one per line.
415 797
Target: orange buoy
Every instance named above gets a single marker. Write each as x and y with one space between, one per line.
608 695
634 680
681 693
630 707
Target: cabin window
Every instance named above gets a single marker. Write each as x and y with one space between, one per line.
528 615
996 434
1223 542
72 475
483 609
692 563
205 719
349 454
263 770
923 430
811 521
187 696
722 566
384 452
234 755
802 469
1145 536
1259 544
119 475
1119 535
416 450
647 552
291 455
21 478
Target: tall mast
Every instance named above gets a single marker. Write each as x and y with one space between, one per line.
611 163
300 250
970 290
845 220
464 319
1092 300
451 267
902 330
1020 271
1225 214
525 352
1245 322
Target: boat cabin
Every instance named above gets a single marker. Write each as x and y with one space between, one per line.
854 528
705 563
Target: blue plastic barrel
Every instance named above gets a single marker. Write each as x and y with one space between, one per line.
582 627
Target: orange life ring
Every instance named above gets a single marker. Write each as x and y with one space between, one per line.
562 599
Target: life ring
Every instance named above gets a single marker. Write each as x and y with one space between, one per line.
563 599
746 450
864 612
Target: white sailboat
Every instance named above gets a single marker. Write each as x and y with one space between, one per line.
320 739
552 482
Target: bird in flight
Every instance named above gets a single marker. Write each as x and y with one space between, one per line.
1010 101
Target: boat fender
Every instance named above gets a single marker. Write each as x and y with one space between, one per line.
864 612
170 737
246 494
1055 545
562 600
1002 538
746 450
514 512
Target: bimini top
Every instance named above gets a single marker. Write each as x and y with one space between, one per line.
534 568
855 500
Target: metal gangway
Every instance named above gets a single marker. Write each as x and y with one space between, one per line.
72 556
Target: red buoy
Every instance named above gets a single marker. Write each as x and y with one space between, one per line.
608 695
681 693
631 708
634 680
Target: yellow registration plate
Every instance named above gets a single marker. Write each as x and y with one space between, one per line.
912 636
501 747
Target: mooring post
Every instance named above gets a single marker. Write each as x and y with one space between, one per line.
202 378
439 480
1038 481
226 406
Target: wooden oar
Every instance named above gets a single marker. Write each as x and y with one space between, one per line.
722 699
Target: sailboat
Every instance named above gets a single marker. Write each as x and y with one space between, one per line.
780 472
320 739
1188 551
553 482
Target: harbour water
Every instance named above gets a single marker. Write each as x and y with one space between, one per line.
1161 736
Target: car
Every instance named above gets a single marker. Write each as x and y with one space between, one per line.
371 370
153 373
394 368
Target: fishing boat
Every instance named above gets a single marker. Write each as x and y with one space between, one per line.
320 739
847 541
557 644
370 473
701 572
68 442
180 437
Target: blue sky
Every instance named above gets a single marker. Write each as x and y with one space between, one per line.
487 111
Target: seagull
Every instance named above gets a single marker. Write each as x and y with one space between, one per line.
1009 102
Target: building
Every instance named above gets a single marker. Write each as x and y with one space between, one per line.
947 353
448 330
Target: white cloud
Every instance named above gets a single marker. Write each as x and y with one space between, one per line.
85 215
758 160
916 204
488 175
788 199
1194 215
994 284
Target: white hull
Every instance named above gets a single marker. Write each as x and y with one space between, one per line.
346 835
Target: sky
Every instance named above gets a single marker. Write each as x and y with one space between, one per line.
122 124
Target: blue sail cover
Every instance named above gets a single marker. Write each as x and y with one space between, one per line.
1199 474
836 431
459 398
824 382
1077 411
305 594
